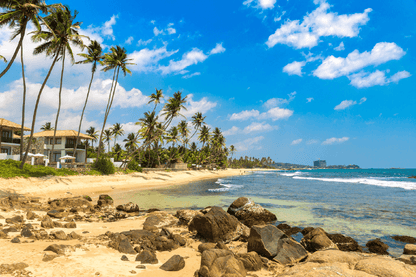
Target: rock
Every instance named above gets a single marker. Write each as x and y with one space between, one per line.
164 244
47 223
121 243
10 268
128 208
206 246
105 200
49 257
317 240
332 256
175 263
409 249
26 233
385 267
57 214
152 210
322 270
179 239
59 235
137 236
86 197
31 215
141 266
185 216
377 246
285 228
221 265
307 230
345 243
406 239
78 203
408 259
15 219
15 240
59 249
3 235
251 261
217 225
147 257
249 213
57 224
159 220
221 245
74 235
70 225
124 258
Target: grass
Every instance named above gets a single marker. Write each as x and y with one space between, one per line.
10 169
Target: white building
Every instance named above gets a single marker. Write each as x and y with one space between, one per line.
9 142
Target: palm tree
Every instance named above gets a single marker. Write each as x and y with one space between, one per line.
232 150
3 59
173 107
156 98
117 130
47 127
92 133
117 151
58 40
116 59
94 56
197 122
183 129
107 138
204 135
131 142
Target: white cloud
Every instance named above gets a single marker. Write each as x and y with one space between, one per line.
171 30
273 114
218 49
382 52
340 47
244 115
147 60
249 144
400 75
232 131
309 100
364 79
261 4
319 23
276 102
259 127
144 42
129 40
362 100
192 57
312 141
202 106
345 104
295 142
279 17
294 68
107 29
157 32
191 75
335 140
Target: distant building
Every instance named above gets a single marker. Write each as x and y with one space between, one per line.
319 163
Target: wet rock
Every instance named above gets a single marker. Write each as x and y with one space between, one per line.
185 216
251 261
409 249
49 257
128 208
345 243
147 257
105 200
26 233
10 268
175 263
377 246
59 249
406 239
317 240
249 213
15 240
70 225
124 258
285 228
217 225
15 219
152 210
58 235
385 267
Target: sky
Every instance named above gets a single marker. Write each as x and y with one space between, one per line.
296 81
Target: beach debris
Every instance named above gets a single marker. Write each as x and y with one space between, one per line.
409 249
147 257
128 208
219 262
345 243
185 216
175 263
270 242
217 225
377 246
317 240
251 261
249 213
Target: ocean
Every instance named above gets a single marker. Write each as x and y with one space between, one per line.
362 203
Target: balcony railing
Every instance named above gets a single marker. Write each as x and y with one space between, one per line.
10 140
80 146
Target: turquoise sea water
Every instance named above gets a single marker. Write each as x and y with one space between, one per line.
364 204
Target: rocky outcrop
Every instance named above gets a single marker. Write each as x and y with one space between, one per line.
251 261
217 225
377 246
249 213
158 220
218 262
175 263
409 249
385 267
128 208
105 200
285 228
185 216
57 213
345 243
121 243
317 240
406 239
270 242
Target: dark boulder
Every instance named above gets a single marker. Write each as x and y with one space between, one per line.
377 246
147 257
128 208
405 239
15 240
70 225
409 249
217 225
206 246
26 233
175 263
3 235
317 240
124 258
345 243
249 213
285 228
59 235
121 243
185 216
306 230
57 248
31 215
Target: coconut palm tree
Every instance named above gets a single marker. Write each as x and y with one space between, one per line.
3 59
204 135
116 59
232 150
156 98
131 142
197 122
107 138
117 130
58 39
173 107
94 56
47 127
184 131
117 151
92 133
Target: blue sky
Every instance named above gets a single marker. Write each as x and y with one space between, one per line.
293 80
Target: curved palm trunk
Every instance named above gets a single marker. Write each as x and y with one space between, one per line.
24 102
59 105
82 116
36 109
19 46
100 142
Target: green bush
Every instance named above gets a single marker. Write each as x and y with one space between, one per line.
10 169
134 165
104 165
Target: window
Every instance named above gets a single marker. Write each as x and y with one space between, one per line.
6 134
57 141
56 156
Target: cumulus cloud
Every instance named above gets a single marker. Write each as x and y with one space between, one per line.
129 40
202 106
382 52
192 57
244 115
400 75
273 114
295 142
294 68
232 131
276 102
259 127
378 78
218 49
157 32
345 104
340 47
335 140
249 144
318 23
147 59
107 29
144 42
260 4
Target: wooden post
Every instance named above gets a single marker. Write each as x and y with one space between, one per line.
86 150
1 135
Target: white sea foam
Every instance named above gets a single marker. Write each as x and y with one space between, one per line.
297 173
366 181
226 187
